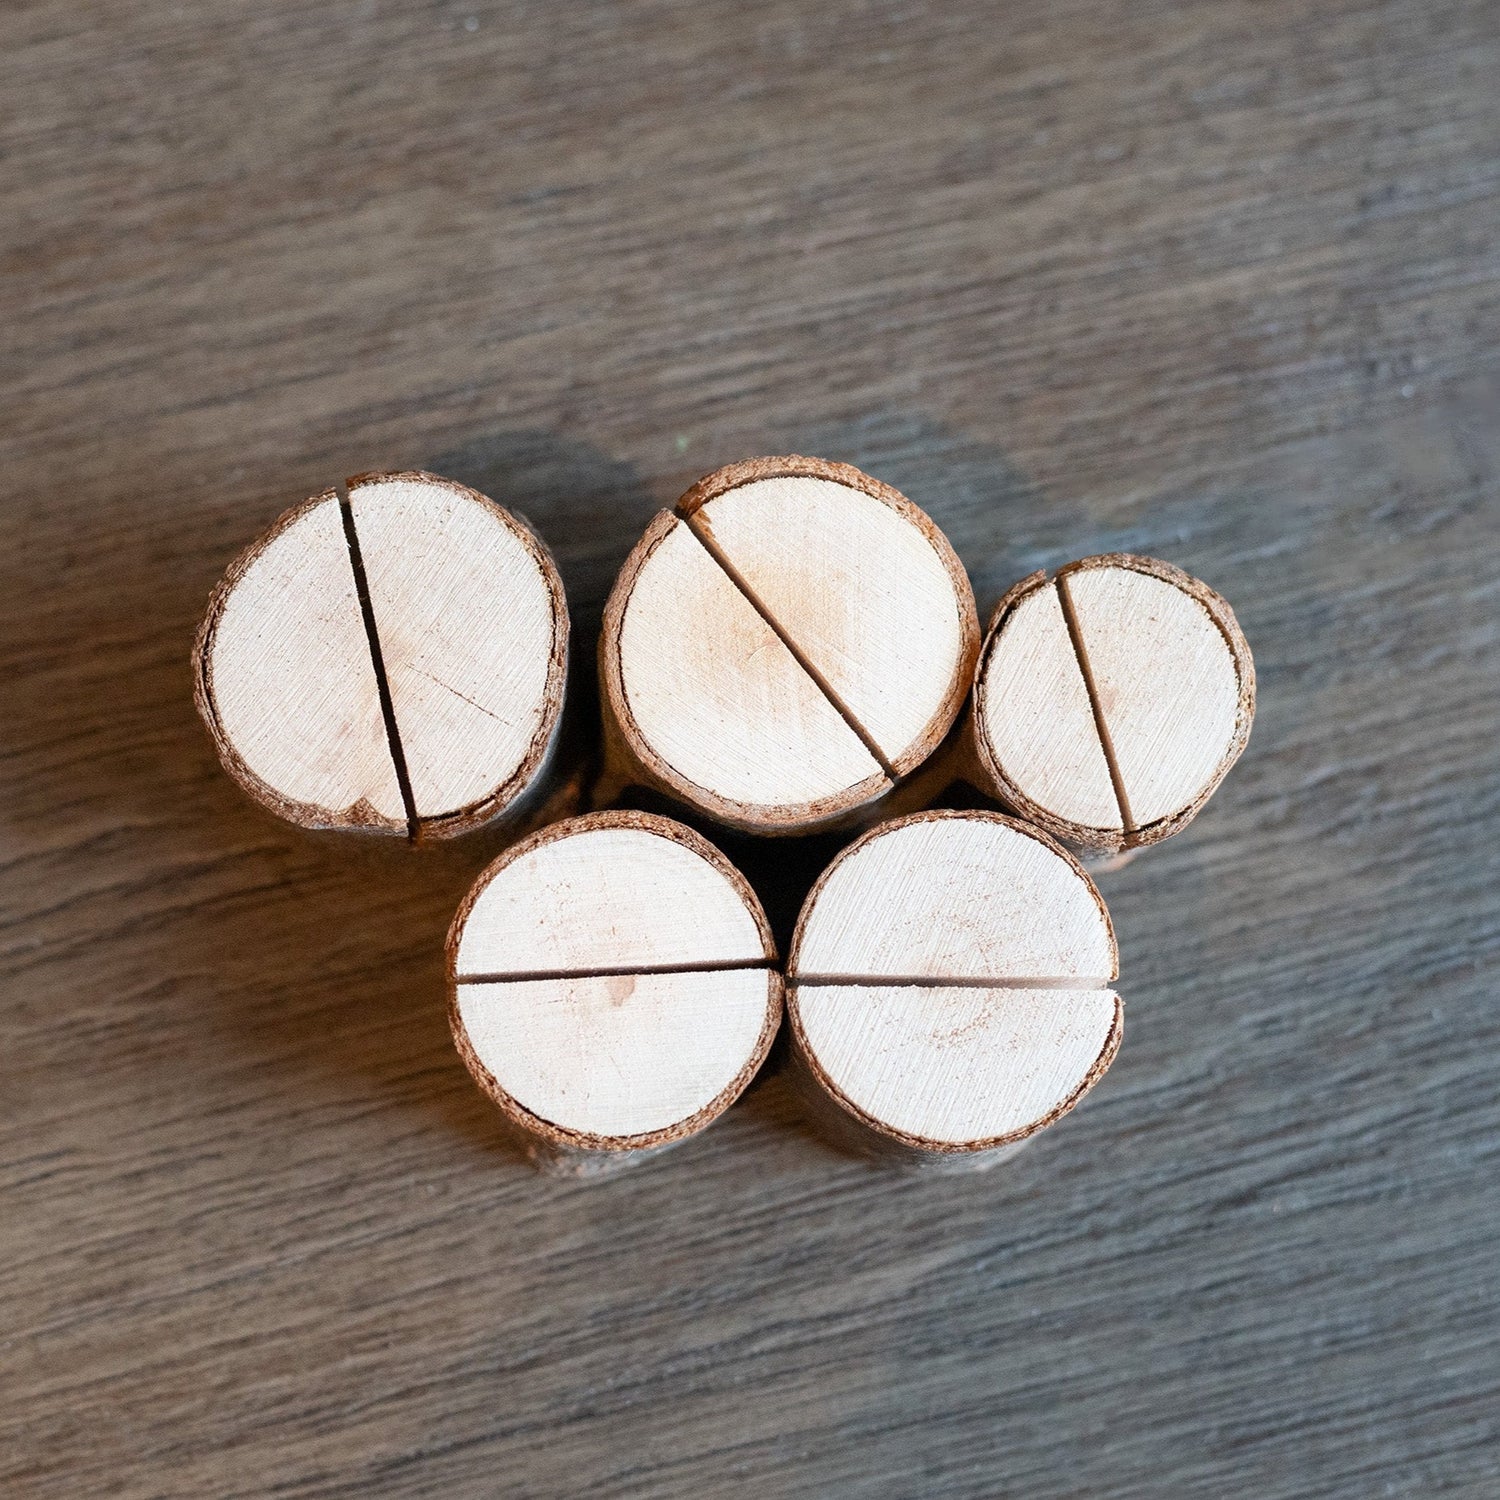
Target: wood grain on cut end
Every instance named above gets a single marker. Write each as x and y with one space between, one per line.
612 983
1112 700
949 982
394 662
1034 714
716 702
788 644
284 681
473 632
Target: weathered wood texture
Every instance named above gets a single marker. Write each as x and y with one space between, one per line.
1214 282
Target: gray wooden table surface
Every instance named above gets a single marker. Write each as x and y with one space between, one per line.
1216 281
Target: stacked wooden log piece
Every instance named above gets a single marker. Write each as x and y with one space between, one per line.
782 652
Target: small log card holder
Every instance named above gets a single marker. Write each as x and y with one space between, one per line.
390 659
785 646
613 984
1111 700
950 985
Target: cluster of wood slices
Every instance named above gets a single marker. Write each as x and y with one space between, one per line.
783 652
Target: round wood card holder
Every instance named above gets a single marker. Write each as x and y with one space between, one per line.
390 658
950 987
1110 701
785 646
613 984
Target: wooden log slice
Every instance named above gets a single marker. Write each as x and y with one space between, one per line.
612 983
391 659
785 646
1111 700
949 984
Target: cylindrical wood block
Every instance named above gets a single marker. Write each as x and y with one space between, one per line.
1111 700
950 985
390 659
785 646
613 984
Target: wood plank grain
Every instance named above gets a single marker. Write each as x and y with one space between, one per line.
1216 282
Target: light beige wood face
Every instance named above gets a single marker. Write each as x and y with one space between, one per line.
1113 699
609 896
613 981
1167 684
469 633
958 1067
1035 713
858 587
291 682
467 621
793 644
616 1056
951 981
719 697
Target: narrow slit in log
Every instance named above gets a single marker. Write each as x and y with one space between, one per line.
616 971
377 663
1101 724
952 982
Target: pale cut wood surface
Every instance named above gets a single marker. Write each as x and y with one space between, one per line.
970 896
394 662
290 678
826 661
564 1004
607 897
1168 686
617 1055
955 1066
1215 282
860 589
469 636
719 697
1035 715
1020 1019
1133 667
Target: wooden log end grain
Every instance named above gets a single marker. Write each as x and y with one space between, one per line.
391 659
612 985
950 986
1110 701
785 646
